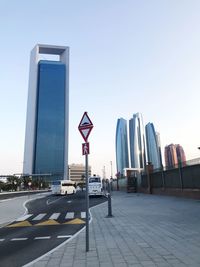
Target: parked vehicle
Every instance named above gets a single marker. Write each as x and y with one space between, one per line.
95 186
63 187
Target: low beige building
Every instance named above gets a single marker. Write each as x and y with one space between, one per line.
77 172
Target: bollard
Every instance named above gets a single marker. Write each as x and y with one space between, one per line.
109 206
109 203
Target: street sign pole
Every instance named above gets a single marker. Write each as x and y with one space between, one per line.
85 127
87 203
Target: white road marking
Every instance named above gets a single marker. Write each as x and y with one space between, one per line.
59 246
19 239
49 201
69 201
70 215
83 214
64 236
37 238
23 218
42 237
39 217
54 216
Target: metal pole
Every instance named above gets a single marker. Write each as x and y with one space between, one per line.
180 175
109 202
111 169
87 203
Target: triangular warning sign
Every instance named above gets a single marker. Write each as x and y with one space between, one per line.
85 133
85 121
85 126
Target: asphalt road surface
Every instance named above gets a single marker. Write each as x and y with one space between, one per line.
49 222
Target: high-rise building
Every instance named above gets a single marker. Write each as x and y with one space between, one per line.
170 156
121 143
46 138
137 142
174 154
180 155
159 148
153 152
77 172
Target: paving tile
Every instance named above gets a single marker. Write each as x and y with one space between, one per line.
40 264
120 264
147 231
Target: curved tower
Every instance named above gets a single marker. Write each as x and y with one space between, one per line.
153 152
121 144
137 142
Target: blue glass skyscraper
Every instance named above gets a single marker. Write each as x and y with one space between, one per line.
121 143
137 142
50 118
153 151
46 140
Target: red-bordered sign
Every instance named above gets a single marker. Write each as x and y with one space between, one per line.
85 126
85 149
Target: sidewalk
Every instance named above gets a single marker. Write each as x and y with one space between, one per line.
146 230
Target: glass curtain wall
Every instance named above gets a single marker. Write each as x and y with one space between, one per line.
122 158
153 152
50 119
137 142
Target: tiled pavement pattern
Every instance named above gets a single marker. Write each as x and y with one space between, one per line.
146 231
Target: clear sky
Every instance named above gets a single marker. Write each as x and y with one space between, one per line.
125 57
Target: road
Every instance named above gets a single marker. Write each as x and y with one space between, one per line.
49 222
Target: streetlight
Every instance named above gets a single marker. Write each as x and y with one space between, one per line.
104 172
111 177
111 171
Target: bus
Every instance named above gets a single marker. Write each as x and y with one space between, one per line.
63 187
95 186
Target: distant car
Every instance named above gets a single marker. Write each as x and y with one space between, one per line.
63 187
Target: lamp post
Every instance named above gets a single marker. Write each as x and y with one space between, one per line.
111 171
104 172
111 176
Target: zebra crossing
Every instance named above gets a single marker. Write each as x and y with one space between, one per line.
54 217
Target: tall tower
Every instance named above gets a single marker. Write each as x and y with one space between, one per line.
121 143
171 159
46 138
137 142
174 155
159 148
153 151
180 154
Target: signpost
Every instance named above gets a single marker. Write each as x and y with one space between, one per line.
85 149
85 127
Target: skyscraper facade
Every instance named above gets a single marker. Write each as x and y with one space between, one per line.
180 154
170 156
159 148
174 154
121 144
153 152
137 142
46 139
